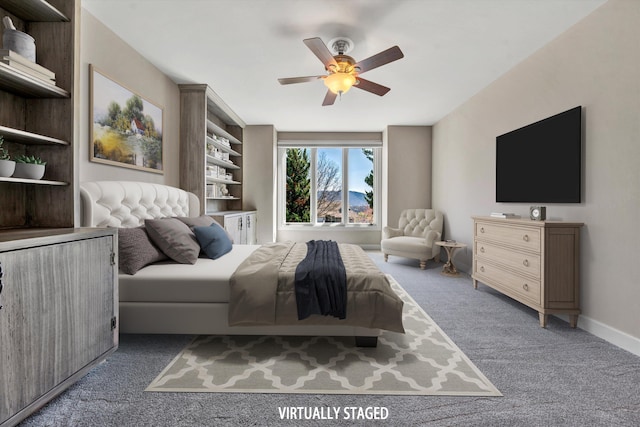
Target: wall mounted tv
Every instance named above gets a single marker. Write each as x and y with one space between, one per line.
541 162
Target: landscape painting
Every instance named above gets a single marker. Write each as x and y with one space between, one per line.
126 129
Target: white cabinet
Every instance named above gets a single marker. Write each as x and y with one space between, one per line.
59 313
241 225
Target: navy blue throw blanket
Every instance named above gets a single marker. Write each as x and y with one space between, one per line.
321 281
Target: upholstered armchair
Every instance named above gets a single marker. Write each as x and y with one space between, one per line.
416 236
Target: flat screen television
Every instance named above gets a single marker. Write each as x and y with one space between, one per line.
541 162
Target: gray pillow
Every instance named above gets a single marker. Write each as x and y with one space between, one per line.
174 238
136 250
198 221
201 221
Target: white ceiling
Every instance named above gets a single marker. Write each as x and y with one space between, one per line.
452 48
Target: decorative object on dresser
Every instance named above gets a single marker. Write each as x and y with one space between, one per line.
59 316
450 246
534 262
416 236
126 129
538 213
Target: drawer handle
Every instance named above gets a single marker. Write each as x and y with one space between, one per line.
482 249
525 237
525 287
525 263
482 229
482 268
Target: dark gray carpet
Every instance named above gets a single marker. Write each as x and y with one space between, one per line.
549 377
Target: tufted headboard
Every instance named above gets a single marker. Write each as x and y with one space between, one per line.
129 203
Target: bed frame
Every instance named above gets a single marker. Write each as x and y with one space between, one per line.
128 204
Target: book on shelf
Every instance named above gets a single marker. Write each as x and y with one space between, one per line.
21 63
504 215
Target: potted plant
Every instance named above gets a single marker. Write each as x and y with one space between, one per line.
30 167
7 166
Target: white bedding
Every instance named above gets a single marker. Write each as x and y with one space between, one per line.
205 281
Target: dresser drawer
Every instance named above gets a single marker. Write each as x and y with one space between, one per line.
509 283
522 237
521 262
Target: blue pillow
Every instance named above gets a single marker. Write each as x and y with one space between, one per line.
213 240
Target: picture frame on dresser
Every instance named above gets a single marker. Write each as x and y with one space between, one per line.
126 128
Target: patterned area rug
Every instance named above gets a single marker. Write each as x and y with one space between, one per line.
423 361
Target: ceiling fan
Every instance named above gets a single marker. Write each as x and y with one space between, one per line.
343 71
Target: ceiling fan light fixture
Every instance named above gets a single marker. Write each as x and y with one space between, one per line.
339 83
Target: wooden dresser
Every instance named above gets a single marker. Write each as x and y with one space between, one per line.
534 262
59 312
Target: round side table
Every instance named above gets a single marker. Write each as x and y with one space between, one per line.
449 269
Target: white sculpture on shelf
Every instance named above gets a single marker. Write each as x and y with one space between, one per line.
17 41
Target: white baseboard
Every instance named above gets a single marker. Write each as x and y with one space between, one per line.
608 333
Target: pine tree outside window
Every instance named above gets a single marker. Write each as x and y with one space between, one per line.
316 183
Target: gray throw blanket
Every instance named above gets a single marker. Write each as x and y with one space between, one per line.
321 281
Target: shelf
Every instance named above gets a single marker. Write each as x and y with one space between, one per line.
222 147
33 181
34 10
23 137
213 161
214 128
212 180
23 84
222 198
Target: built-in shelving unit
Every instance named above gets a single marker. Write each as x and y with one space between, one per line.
34 10
37 117
23 137
211 149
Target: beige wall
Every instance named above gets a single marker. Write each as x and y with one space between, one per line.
595 64
259 178
112 56
407 175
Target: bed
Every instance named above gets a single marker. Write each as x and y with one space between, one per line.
181 298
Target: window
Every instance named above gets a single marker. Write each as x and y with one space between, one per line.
317 183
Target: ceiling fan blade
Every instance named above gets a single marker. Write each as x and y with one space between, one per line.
329 98
392 54
292 80
372 87
321 50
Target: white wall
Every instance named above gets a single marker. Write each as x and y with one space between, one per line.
595 64
104 49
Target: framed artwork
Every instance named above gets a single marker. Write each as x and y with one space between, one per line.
126 129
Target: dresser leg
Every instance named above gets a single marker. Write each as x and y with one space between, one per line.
475 284
543 320
386 257
573 320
